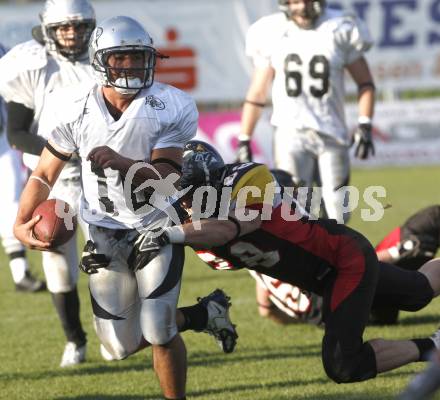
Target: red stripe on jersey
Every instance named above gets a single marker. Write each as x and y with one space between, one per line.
389 240
339 250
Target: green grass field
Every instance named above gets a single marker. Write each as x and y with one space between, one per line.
270 362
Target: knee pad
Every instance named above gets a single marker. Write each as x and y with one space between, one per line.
346 368
120 338
158 321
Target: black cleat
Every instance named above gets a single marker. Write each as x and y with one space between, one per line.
219 323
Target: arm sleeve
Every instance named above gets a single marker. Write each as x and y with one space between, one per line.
181 130
62 139
354 38
256 47
20 120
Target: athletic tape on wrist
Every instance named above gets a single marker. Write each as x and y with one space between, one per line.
175 234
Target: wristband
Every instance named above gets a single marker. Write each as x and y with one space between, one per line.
363 119
41 180
243 138
175 234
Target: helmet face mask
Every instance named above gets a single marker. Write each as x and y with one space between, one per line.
202 165
122 55
67 26
309 13
128 79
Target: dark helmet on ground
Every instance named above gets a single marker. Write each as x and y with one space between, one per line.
202 164
314 8
283 177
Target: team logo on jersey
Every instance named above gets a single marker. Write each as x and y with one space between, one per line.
155 102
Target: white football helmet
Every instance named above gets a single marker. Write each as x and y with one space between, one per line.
122 35
59 13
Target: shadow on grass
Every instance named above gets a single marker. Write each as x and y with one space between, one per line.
199 359
419 319
109 397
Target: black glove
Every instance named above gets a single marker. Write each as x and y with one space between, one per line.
146 247
91 261
363 141
244 153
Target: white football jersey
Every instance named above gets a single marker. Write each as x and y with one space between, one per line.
159 117
308 88
3 139
29 76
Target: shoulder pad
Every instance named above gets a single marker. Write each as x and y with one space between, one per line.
26 56
76 98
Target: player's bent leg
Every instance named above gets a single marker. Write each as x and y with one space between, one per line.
402 289
114 297
170 366
342 366
159 287
347 301
432 272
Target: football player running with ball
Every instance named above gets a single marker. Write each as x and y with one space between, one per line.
303 52
124 118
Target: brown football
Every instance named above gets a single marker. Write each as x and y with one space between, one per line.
57 224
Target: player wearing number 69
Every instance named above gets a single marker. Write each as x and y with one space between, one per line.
304 50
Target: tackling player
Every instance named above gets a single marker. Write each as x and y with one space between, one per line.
124 118
303 52
31 73
12 184
408 246
253 227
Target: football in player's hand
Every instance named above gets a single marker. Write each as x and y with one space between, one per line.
57 224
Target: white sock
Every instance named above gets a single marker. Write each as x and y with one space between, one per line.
18 267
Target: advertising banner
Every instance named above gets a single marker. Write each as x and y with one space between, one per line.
405 133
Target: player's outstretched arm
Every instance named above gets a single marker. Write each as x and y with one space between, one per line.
212 232
35 192
252 108
362 139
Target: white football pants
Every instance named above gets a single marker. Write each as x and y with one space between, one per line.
301 152
129 306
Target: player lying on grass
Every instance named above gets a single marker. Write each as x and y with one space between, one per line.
408 246
250 227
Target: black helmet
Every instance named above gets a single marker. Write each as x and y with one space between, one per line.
283 177
202 164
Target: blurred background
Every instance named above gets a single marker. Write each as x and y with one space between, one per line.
205 42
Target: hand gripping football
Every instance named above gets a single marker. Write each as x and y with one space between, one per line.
57 224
